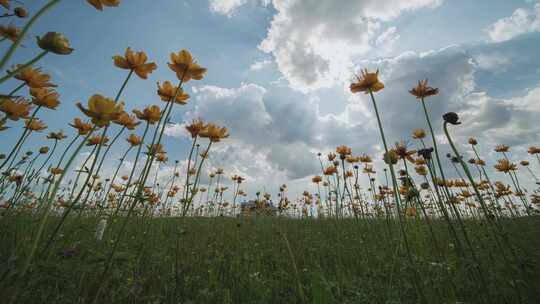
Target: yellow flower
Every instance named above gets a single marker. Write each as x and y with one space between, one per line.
56 135
126 121
102 110
134 140
196 127
15 109
168 91
10 32
34 78
45 97
136 62
82 127
185 67
422 90
99 4
214 133
368 82
35 124
55 43
419 134
151 114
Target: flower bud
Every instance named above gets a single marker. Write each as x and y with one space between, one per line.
391 157
451 118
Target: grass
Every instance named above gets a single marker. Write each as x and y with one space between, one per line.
266 260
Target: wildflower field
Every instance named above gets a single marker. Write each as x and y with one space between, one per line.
426 219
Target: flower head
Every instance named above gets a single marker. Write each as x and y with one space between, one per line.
99 4
44 150
134 140
136 62
126 121
502 148
167 92
196 127
56 135
55 43
96 140
504 165
35 124
368 82
102 110
56 171
20 12
533 150
10 32
45 97
422 90
82 127
151 114
185 67
34 78
214 133
419 133
343 151
15 110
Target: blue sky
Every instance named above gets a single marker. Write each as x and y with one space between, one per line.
278 73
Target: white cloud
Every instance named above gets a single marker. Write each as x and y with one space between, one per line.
522 21
314 42
229 7
259 65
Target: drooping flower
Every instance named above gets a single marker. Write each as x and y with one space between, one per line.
55 43
102 110
151 114
34 78
126 121
368 82
10 32
35 124
168 91
99 4
15 110
422 90
185 67
214 133
45 97
135 61
82 127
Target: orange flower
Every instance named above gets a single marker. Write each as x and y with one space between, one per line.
134 140
56 135
126 121
34 124
162 157
502 148
368 82
330 170
533 150
422 90
99 4
34 78
56 171
15 109
214 133
102 110
504 165
343 151
151 114
168 91
196 127
96 140
45 97
316 179
81 126
10 32
185 67
136 62
156 149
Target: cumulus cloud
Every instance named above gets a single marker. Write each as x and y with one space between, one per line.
313 42
522 21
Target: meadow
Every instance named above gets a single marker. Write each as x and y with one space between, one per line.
411 224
